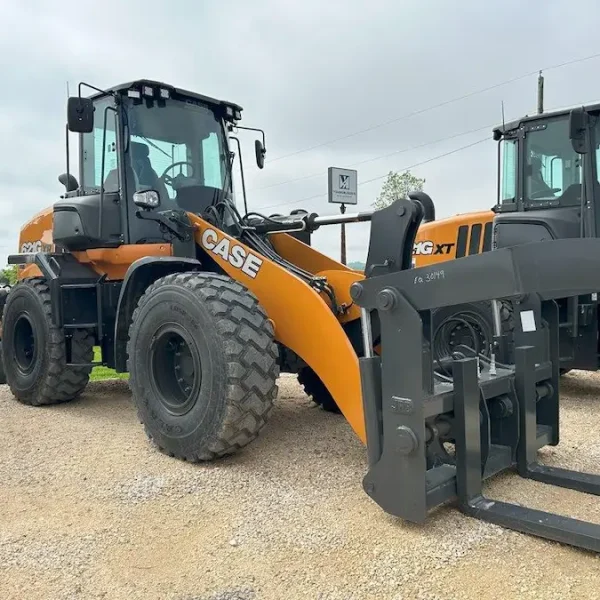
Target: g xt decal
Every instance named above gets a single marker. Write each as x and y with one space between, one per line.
427 248
34 247
470 239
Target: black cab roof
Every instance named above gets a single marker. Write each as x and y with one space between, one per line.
139 83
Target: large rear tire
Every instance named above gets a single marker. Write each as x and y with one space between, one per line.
34 350
316 390
3 296
471 325
467 324
2 372
203 365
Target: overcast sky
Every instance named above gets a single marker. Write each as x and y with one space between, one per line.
307 72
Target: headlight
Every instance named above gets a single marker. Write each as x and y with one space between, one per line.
147 199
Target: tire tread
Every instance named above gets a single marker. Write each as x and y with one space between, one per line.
62 383
316 390
251 354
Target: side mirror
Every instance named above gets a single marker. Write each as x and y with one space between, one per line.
577 129
260 152
147 199
80 114
69 182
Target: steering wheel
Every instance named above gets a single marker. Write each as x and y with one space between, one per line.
178 180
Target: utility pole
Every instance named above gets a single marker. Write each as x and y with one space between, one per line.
540 96
343 233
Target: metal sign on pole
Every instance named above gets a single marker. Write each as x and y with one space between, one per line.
343 189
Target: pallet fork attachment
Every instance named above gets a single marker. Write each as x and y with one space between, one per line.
495 415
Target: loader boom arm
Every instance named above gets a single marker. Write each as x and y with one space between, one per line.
289 301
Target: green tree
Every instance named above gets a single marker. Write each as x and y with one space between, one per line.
8 275
398 185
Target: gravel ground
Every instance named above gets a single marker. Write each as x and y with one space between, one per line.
91 510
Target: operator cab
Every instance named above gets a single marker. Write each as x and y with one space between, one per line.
539 167
548 188
142 137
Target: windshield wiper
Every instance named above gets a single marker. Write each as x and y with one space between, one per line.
154 145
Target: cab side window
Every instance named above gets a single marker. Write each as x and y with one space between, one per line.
96 146
551 165
508 168
212 162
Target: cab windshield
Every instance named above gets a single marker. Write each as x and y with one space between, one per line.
179 150
553 170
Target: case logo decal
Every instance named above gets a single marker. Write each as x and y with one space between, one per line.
233 253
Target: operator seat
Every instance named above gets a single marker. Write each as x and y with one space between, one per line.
141 174
146 175
138 173
571 196
537 183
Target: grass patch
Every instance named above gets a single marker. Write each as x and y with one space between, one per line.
103 373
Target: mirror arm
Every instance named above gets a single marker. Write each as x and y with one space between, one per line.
93 87
254 129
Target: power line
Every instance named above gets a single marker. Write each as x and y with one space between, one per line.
554 109
379 157
423 162
441 104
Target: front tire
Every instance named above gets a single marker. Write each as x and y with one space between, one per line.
34 350
203 365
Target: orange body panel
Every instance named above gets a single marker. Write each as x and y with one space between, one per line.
454 237
339 276
36 236
303 319
304 256
114 262
38 230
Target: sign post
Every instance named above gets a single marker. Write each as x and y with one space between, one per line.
343 189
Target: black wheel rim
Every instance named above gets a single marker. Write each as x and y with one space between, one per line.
24 345
175 369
